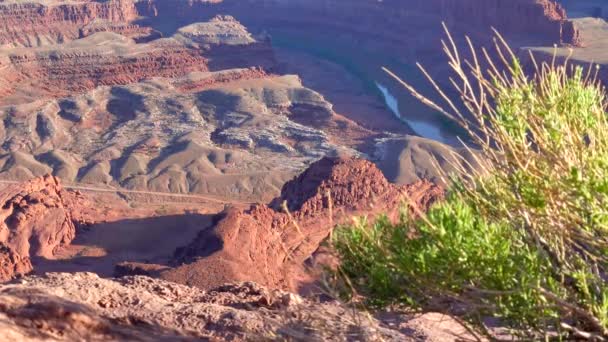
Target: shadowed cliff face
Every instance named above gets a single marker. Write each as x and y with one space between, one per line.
44 22
542 20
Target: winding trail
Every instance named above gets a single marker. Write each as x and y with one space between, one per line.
140 192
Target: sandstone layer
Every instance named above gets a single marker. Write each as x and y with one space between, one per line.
106 58
36 23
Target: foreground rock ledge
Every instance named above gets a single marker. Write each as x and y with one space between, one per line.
84 307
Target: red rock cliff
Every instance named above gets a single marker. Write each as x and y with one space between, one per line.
544 20
33 24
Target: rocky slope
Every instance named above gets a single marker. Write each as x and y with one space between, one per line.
175 126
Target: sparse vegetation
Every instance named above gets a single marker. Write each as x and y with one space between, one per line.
524 240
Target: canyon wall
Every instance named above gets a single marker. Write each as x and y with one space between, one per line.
537 22
63 73
106 58
40 23
544 21
36 23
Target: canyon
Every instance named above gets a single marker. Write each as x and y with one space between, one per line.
172 169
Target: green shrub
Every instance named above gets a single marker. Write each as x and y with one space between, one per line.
526 238
453 253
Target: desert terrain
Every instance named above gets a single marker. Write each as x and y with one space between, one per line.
154 151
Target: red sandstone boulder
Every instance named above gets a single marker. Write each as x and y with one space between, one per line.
35 219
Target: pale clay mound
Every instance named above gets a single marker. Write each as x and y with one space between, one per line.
404 160
154 136
84 307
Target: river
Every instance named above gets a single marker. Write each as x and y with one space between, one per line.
421 128
365 66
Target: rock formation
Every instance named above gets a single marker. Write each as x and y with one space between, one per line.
36 219
268 245
12 264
